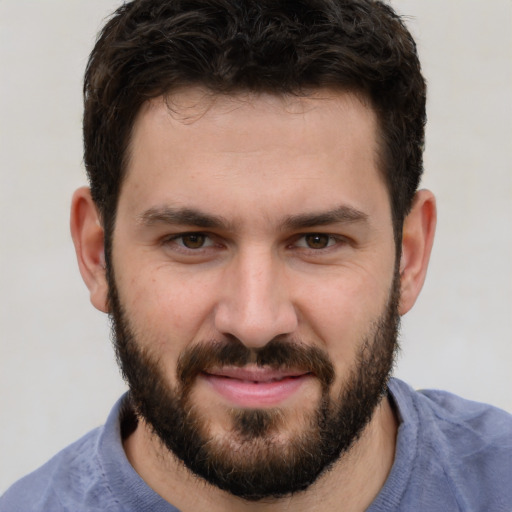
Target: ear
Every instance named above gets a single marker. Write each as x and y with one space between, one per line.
88 237
417 240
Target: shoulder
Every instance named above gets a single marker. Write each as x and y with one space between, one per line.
449 414
91 475
469 427
77 479
465 446
59 484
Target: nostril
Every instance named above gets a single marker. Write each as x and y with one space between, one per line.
255 328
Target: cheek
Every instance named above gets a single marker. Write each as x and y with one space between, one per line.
169 309
341 314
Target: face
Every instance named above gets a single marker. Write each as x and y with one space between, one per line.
253 285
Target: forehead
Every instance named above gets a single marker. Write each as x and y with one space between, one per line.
196 146
198 110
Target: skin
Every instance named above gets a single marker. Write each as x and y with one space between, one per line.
256 161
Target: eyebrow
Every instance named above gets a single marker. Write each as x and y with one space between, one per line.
340 215
197 218
182 216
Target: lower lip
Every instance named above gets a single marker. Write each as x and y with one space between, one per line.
256 394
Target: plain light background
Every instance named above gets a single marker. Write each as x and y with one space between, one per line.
58 377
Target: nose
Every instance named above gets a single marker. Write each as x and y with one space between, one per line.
255 305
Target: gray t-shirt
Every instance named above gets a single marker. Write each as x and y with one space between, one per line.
451 455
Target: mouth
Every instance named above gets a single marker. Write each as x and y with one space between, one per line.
252 387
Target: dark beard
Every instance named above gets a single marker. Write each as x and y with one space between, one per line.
250 463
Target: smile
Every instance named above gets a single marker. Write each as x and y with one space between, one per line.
255 387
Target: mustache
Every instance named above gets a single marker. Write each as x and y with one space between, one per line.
277 354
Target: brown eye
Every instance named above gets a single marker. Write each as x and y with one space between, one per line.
193 240
317 241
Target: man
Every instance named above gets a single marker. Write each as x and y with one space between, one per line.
255 232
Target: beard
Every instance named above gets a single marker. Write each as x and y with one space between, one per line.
252 460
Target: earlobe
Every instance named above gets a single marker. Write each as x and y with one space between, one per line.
88 237
417 240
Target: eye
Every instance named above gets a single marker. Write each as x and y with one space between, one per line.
192 240
316 241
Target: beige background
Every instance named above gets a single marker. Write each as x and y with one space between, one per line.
58 377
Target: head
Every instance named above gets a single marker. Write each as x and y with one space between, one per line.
253 228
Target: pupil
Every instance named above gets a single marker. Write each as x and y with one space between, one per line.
317 241
193 241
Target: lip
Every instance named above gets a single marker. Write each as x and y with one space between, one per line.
252 387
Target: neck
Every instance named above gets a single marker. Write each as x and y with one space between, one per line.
354 481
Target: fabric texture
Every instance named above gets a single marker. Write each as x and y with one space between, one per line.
452 455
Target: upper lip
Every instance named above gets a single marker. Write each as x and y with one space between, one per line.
255 373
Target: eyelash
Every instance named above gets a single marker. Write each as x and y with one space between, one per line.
331 241
181 236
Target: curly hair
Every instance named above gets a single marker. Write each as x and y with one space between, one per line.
150 48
